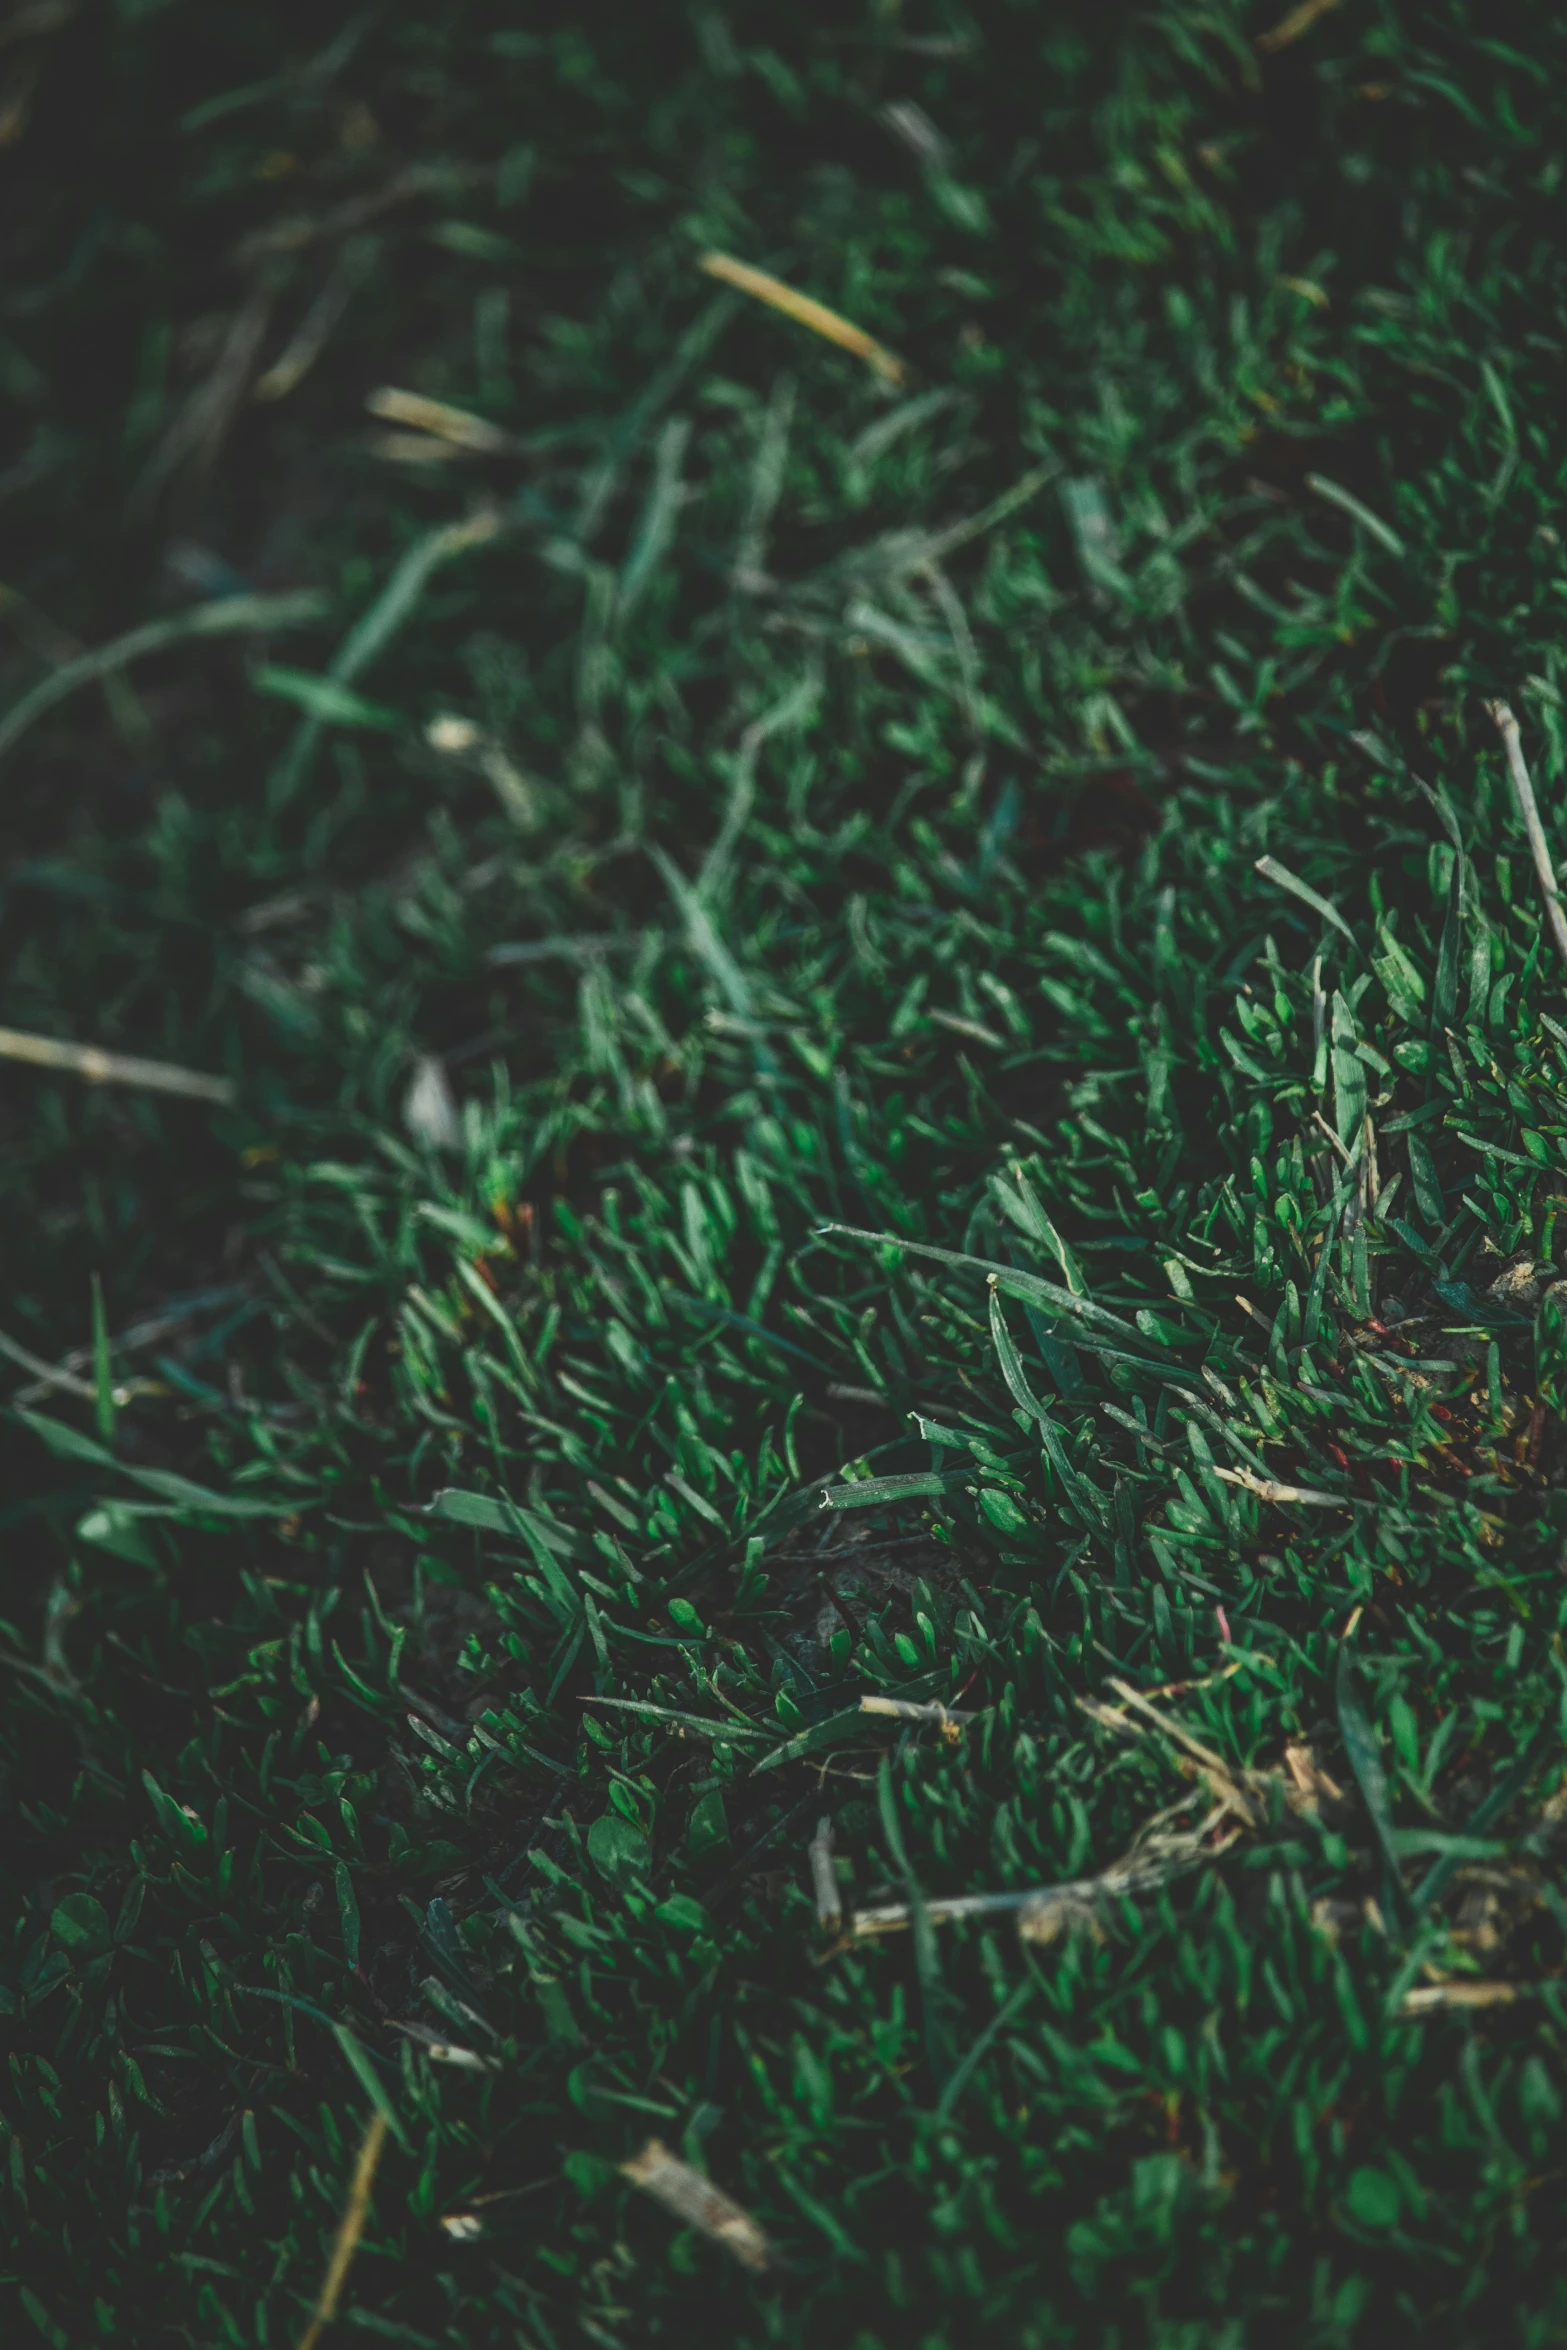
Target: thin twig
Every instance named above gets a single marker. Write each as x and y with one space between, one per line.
104 1068
805 312
53 1377
1506 726
1319 1120
66 1373
349 2230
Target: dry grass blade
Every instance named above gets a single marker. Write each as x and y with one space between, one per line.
199 430
47 1376
805 312
103 1068
1267 1489
1295 26
1431 1997
902 1709
309 339
1506 726
695 2200
59 1378
294 234
1312 1785
349 2230
65 1375
441 420
416 448
1241 1792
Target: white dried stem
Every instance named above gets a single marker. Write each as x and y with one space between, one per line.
696 2201
1506 726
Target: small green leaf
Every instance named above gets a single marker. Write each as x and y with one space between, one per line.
323 699
821 1734
867 1492
190 1496
1365 1760
65 1442
115 1526
80 1924
1426 1185
474 1509
616 1847
362 2064
103 1372
1272 870
1372 2197
708 1831
348 1910
1349 1077
1347 503
682 1912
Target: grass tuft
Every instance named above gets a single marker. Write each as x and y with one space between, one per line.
785 1139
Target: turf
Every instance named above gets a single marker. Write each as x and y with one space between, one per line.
887 1040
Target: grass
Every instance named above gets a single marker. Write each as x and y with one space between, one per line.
883 1040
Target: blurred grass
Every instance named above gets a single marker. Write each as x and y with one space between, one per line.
738 935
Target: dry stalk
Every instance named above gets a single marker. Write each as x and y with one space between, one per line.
1506 726
349 2230
696 2201
105 1068
805 312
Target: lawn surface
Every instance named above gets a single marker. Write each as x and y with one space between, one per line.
883 1031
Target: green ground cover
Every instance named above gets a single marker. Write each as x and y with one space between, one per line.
878 1039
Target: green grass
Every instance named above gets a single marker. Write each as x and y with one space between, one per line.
817 1032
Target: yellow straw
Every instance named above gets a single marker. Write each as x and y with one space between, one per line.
804 312
350 2229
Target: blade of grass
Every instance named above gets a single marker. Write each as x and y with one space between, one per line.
103 1374
226 616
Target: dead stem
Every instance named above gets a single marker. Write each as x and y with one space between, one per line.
349 2230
